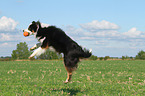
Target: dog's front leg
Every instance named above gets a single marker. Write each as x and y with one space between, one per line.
34 47
37 52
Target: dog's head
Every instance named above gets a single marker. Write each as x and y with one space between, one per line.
33 28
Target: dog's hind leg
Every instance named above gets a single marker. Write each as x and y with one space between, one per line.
71 65
69 74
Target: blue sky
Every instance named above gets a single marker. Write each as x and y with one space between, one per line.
109 27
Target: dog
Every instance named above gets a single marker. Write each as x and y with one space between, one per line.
55 39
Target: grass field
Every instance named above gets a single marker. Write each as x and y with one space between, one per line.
93 78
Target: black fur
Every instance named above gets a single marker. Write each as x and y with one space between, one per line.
62 43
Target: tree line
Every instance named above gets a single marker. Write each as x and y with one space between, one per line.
139 56
22 52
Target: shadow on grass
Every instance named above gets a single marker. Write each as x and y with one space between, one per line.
71 91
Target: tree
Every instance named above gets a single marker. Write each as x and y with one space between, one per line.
101 58
106 57
140 55
123 57
93 57
21 52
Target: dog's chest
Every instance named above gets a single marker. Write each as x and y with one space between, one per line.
40 39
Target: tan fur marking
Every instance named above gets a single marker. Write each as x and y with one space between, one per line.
46 47
69 73
32 31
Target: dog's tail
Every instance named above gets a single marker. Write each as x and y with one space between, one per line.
72 58
84 53
81 53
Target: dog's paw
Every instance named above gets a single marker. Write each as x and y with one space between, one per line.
65 82
31 49
30 57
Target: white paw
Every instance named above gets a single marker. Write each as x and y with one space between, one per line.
30 57
66 81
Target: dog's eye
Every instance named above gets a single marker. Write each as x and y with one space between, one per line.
29 29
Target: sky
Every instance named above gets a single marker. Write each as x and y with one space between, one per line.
109 27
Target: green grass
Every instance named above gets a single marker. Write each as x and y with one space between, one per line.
99 78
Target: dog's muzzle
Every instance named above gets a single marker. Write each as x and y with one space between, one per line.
26 30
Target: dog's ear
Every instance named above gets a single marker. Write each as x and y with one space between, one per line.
33 22
38 22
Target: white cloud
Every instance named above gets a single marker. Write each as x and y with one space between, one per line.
7 24
74 33
87 38
108 32
72 30
4 44
96 25
5 37
133 33
101 42
10 37
18 37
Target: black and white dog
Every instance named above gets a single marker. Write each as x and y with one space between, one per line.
53 37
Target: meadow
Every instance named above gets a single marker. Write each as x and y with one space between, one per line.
92 78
